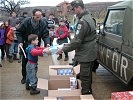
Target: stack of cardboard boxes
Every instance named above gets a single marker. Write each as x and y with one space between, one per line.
62 84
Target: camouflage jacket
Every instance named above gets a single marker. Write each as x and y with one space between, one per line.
84 41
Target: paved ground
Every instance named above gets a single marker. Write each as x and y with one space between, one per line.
11 88
104 83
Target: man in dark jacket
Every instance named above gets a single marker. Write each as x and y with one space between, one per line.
21 18
84 44
32 25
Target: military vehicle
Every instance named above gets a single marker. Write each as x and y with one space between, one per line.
115 41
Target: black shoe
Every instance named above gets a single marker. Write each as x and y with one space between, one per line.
60 57
66 59
0 65
19 61
90 91
34 91
27 86
86 92
23 81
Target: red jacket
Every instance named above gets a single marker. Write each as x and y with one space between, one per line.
33 52
62 32
37 51
10 36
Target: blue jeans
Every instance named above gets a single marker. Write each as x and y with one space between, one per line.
31 74
13 49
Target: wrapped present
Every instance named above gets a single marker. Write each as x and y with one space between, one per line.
127 95
53 49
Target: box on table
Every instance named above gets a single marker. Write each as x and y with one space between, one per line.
127 95
81 97
58 86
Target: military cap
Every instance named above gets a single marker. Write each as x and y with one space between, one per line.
77 3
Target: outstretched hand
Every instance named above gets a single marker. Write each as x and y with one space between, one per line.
47 51
59 51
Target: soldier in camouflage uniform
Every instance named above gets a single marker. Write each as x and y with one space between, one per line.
84 42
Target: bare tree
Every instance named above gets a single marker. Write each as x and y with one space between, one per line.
12 5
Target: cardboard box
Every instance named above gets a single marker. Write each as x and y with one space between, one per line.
76 69
53 69
127 95
53 84
81 97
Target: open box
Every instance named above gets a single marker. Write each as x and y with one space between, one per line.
81 97
58 86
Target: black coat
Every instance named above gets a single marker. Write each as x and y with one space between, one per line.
26 28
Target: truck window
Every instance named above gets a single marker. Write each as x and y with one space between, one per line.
114 22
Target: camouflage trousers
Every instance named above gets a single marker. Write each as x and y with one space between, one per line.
86 76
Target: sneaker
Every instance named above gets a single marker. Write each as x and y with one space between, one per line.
66 59
19 61
60 57
23 81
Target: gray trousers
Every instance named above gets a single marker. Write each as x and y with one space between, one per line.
86 76
31 74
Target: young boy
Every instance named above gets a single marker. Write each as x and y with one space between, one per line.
51 34
13 49
31 68
61 35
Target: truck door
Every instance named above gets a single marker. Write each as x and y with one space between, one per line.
110 42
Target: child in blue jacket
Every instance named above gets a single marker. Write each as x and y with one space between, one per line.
31 68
